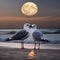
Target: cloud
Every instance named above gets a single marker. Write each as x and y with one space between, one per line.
17 22
30 18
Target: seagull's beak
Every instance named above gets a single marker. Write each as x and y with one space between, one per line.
30 26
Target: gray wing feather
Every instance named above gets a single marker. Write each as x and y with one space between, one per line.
37 35
19 35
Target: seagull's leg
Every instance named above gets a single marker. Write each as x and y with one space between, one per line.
35 45
39 46
22 44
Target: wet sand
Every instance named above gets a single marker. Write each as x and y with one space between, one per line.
29 46
21 54
13 51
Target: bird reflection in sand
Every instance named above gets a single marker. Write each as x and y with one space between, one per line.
31 54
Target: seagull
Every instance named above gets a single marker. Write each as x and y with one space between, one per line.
21 35
37 36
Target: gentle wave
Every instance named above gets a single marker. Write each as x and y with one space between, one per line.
53 38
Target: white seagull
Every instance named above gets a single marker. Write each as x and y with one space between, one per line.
37 35
21 35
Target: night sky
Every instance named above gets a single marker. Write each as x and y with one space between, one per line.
47 17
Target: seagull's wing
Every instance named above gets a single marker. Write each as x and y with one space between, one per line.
37 35
20 35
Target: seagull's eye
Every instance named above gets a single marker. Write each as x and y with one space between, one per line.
28 24
33 26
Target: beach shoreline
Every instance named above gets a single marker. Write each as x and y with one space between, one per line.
29 46
22 54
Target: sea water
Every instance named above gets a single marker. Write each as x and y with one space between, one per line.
53 38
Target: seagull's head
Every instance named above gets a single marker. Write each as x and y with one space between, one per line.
33 27
26 26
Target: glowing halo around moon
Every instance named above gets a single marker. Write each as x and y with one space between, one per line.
29 9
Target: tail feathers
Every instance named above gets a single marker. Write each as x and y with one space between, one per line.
7 39
45 40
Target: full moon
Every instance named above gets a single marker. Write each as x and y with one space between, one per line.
29 9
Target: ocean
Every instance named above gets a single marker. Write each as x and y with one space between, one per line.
53 35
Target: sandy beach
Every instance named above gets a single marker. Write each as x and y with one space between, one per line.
12 51
22 54
29 46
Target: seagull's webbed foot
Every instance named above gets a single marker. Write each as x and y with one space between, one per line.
22 48
38 48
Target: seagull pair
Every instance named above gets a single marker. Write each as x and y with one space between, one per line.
25 33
